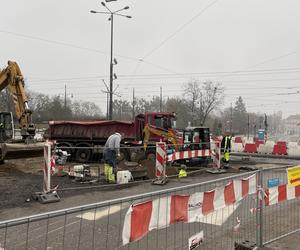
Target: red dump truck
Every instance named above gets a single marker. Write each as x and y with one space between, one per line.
85 139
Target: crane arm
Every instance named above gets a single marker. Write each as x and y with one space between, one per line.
12 79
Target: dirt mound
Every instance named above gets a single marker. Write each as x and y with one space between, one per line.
150 166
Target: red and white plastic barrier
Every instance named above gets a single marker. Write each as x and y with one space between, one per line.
160 213
161 154
281 193
268 147
188 154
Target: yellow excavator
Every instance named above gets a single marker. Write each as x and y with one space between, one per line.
168 134
12 79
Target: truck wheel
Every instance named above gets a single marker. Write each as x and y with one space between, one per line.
83 155
151 154
124 155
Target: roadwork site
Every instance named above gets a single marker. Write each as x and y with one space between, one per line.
23 177
143 126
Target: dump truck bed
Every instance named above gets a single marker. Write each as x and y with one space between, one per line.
94 130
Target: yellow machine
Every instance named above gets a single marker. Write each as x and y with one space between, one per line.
169 135
12 79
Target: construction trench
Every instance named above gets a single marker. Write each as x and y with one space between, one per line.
20 178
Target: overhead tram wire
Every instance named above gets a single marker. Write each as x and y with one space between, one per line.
171 36
80 47
178 75
179 29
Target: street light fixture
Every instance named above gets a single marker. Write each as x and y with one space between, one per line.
112 61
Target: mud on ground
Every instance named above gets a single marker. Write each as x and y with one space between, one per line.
20 178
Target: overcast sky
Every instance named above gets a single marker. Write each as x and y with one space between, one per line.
253 43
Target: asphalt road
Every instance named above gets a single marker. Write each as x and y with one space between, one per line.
101 228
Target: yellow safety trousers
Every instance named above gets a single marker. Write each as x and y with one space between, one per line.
226 156
109 175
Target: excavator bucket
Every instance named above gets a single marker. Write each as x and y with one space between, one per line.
20 150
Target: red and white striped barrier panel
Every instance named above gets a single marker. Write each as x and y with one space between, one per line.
160 159
141 218
188 154
216 154
281 193
47 167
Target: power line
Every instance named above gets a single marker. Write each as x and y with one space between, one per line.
179 29
80 47
176 75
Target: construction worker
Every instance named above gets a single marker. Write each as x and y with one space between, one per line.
226 148
111 151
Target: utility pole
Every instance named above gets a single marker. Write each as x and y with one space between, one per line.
65 99
111 74
107 100
248 124
133 104
231 118
111 69
160 100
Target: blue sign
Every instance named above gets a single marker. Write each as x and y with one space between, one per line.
273 182
261 134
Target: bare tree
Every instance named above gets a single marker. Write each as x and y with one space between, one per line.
192 93
211 97
202 99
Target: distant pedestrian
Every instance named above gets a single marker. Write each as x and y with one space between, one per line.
111 151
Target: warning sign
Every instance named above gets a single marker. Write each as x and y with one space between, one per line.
195 240
293 175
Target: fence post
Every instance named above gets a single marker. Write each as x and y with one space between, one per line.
259 209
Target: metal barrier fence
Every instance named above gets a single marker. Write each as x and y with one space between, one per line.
283 218
100 225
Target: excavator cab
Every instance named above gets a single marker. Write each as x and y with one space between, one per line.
6 126
196 138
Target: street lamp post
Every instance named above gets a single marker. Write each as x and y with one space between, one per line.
111 73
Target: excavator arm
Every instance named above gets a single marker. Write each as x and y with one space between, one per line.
166 134
12 79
